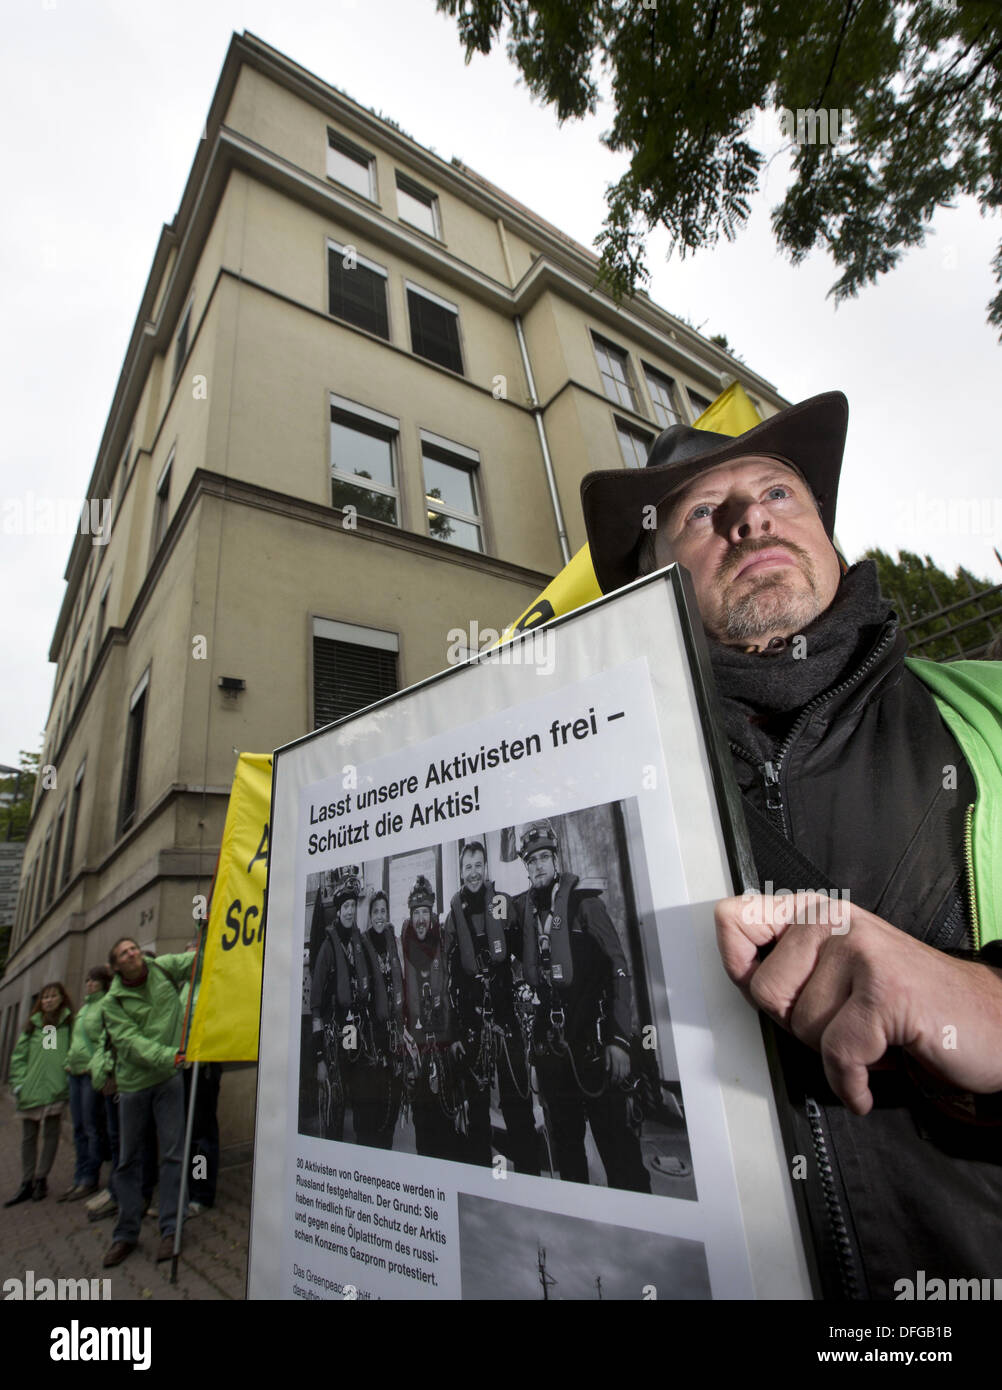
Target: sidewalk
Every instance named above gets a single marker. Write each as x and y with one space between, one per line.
56 1240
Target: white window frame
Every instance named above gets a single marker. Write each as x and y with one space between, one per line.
625 427
419 194
604 345
409 286
363 261
391 425
349 150
183 325
654 376
463 456
161 506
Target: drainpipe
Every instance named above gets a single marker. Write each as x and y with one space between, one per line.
537 413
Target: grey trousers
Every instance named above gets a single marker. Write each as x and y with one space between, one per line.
32 1170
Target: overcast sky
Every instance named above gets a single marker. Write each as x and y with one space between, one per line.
103 106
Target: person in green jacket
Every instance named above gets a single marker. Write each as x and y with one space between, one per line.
38 1079
84 1100
143 1015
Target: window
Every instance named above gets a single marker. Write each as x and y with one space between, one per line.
161 507
40 896
181 343
357 290
417 206
363 445
102 616
123 468
450 491
635 445
71 828
133 749
614 365
56 842
434 328
699 403
83 662
352 667
663 398
350 165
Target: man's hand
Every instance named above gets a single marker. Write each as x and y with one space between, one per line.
458 1051
617 1063
851 986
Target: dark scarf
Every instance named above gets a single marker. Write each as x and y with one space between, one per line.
763 692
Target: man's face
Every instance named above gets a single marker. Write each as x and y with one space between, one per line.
472 869
421 921
347 912
379 915
129 960
751 537
541 868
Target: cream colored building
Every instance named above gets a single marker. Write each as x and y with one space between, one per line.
330 300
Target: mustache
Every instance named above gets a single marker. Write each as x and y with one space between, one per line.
735 558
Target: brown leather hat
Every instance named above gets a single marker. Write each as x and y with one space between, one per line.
810 435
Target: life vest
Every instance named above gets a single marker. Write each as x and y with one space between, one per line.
387 986
561 963
494 929
343 969
423 968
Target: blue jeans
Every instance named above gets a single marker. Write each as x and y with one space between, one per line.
87 1140
165 1103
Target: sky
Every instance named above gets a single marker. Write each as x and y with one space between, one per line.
103 105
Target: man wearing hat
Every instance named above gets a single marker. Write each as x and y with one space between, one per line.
860 771
340 996
573 960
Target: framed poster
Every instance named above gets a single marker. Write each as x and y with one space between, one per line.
499 1055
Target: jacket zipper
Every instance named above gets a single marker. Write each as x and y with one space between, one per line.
843 1241
969 862
771 771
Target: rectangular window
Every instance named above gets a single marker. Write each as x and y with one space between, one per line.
434 328
181 343
133 749
451 492
357 290
363 446
123 474
71 828
635 445
614 366
40 895
352 667
417 206
102 616
56 842
350 165
161 507
699 403
663 399
83 662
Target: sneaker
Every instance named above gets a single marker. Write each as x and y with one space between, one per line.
100 1199
103 1212
194 1209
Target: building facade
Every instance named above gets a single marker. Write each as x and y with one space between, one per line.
359 398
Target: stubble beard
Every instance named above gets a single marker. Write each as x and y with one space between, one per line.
779 602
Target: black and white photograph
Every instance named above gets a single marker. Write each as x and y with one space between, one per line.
513 1252
498 1000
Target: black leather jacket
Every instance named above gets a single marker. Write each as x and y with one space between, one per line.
870 786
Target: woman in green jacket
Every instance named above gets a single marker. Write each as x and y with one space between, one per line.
38 1078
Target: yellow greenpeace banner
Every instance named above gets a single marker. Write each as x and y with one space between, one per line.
225 1023
731 413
